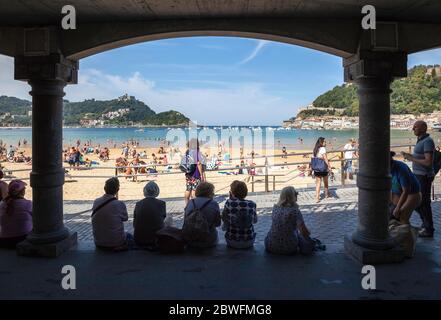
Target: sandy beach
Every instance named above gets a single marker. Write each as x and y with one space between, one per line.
87 183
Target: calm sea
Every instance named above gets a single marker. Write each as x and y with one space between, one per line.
152 137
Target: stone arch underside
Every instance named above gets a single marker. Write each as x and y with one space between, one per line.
325 36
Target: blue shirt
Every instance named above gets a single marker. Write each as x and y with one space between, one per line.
402 177
424 145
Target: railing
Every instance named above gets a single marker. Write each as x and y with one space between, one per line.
334 156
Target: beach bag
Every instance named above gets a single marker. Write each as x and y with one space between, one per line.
170 240
318 165
405 235
195 228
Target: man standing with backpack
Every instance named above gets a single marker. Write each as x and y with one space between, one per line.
422 166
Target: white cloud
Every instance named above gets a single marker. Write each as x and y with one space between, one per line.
9 86
233 104
245 103
259 46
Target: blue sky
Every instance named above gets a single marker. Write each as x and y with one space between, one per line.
213 80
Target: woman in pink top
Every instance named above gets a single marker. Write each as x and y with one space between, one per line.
15 215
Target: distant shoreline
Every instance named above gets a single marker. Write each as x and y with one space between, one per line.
102 127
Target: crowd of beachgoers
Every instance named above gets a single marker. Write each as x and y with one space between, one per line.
154 230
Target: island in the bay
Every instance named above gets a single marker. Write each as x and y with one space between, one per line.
416 96
123 111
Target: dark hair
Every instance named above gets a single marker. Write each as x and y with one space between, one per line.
1 174
205 189
318 145
112 186
239 189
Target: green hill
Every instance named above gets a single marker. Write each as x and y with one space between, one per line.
14 105
419 93
123 111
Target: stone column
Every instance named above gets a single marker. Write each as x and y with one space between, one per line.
373 179
373 75
47 76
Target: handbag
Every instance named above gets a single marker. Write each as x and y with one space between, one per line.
318 165
405 235
170 240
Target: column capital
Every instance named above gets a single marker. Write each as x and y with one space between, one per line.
375 64
50 67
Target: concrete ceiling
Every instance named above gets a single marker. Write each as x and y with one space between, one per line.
44 12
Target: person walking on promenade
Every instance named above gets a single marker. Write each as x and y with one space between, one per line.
422 167
195 161
321 167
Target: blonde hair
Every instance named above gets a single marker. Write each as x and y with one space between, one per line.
288 197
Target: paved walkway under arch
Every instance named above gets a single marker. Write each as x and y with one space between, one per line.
224 273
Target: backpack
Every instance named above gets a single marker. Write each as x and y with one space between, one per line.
195 228
187 164
436 161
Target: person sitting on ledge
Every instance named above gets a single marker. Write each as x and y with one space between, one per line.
148 216
203 207
288 233
15 215
238 216
108 217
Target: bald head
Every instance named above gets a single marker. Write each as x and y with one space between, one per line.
419 128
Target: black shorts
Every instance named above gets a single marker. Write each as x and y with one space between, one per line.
320 174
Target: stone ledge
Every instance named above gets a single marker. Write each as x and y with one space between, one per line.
51 250
373 257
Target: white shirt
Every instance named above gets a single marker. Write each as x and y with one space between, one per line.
321 152
349 154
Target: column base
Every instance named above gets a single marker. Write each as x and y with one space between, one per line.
373 257
50 250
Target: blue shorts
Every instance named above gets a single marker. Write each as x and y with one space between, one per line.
348 166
